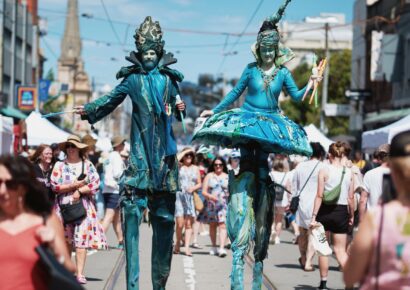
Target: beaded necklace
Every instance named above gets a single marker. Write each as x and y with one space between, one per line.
268 77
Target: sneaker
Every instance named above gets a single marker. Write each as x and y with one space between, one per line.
222 253
277 240
213 251
120 246
295 240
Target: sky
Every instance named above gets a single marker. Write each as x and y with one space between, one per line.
194 30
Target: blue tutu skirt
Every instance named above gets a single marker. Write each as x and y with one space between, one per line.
274 132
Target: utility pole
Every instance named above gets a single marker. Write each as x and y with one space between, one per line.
24 45
13 53
325 82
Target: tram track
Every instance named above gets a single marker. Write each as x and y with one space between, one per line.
116 272
265 279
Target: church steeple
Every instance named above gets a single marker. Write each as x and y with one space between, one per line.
71 67
71 43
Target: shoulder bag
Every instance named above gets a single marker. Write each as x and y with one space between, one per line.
332 196
58 277
280 189
294 203
198 203
73 212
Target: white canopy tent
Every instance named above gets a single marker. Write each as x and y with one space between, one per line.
314 135
371 140
40 130
6 135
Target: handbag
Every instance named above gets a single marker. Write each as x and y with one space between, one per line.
294 203
59 278
332 196
73 212
318 239
279 189
198 203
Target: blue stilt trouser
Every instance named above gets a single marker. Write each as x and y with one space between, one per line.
259 195
162 211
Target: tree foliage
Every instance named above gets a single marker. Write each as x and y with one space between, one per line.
339 81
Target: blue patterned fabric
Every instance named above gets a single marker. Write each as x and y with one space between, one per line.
259 119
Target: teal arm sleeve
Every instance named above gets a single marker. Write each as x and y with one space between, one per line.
233 95
103 106
292 88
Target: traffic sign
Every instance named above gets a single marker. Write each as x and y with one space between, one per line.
358 94
334 110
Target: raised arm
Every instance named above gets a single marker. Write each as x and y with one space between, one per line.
236 92
95 111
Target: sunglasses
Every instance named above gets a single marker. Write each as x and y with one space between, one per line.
69 145
218 165
10 183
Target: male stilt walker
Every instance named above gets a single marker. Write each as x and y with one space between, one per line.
151 178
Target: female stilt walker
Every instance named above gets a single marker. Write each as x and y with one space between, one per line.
257 128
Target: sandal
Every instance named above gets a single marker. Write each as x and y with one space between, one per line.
309 269
81 279
195 246
176 252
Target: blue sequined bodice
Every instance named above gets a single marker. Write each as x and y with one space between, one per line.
259 97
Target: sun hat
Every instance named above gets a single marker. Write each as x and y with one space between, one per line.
89 140
73 139
117 140
184 152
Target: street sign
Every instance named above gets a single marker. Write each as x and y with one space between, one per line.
358 94
335 110
26 98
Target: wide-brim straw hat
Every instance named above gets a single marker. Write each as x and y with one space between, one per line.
184 152
73 139
117 140
89 140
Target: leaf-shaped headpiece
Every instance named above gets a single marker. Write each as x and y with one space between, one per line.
149 36
268 34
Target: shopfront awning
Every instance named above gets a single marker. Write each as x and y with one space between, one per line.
12 112
386 117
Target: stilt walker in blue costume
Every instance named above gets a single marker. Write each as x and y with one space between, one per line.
257 128
151 178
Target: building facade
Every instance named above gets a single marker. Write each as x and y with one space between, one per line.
19 48
381 60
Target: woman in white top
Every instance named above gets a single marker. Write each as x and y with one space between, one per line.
281 203
338 217
304 183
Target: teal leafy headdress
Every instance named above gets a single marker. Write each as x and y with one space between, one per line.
269 35
149 36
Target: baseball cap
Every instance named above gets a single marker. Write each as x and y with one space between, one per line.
384 148
235 154
400 145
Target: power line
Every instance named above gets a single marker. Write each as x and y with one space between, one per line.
239 36
49 47
111 24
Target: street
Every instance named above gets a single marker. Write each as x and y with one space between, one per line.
105 270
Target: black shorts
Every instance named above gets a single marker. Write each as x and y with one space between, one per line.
334 218
111 200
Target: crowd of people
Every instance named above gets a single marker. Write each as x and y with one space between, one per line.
34 195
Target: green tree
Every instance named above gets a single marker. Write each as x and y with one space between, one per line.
50 75
339 81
